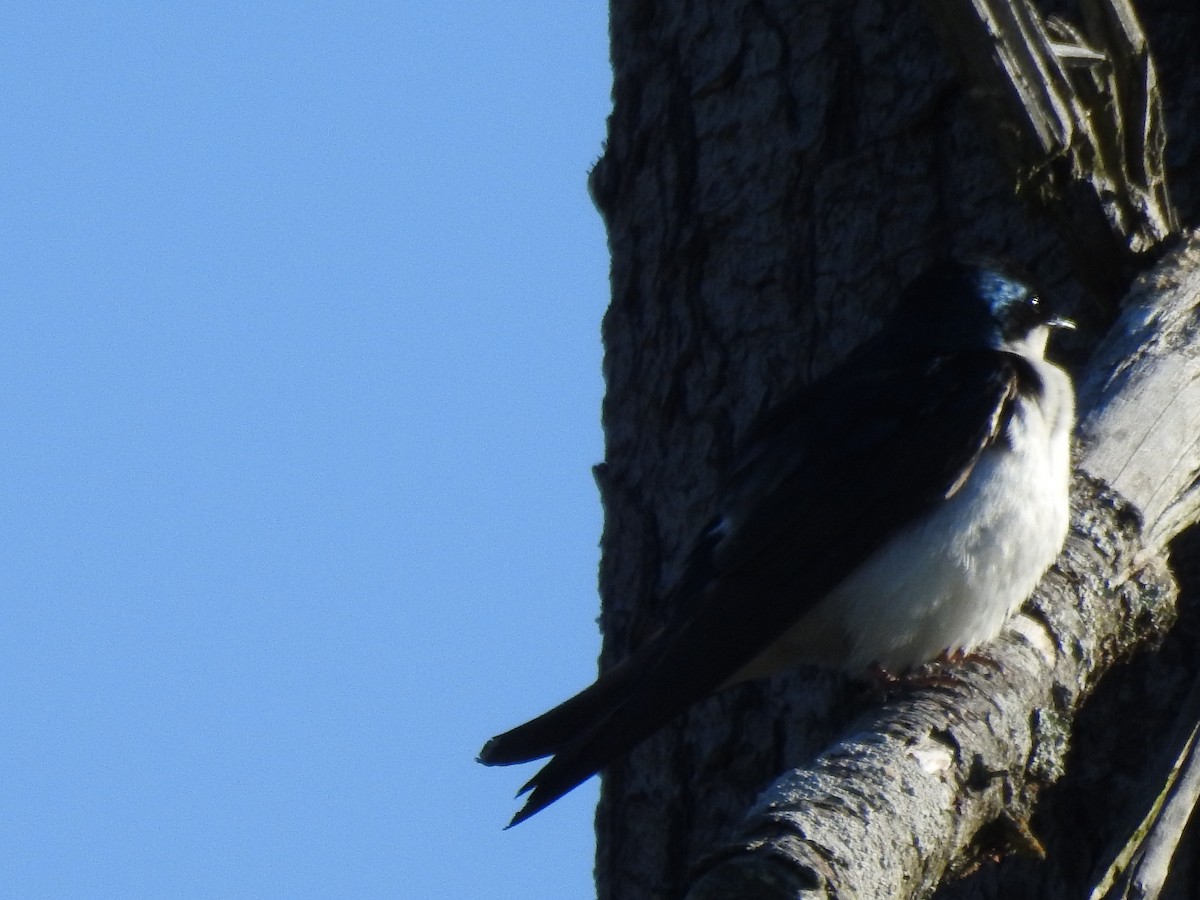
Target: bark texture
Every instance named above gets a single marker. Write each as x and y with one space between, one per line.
773 173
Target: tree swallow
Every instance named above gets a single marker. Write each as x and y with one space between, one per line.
900 508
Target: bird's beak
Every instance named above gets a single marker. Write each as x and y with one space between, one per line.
1060 322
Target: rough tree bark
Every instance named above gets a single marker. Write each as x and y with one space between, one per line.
774 171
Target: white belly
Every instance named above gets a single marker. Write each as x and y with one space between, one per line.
950 581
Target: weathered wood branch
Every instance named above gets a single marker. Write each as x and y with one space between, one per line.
1145 443
1077 116
1139 870
1149 365
931 784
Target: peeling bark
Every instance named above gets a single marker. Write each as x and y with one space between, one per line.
1077 115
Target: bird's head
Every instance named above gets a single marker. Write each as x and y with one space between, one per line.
976 304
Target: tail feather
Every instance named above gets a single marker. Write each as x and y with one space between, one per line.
647 705
609 738
572 766
556 729
623 708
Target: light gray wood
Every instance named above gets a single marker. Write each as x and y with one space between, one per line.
1142 432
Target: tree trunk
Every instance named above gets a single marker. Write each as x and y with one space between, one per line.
774 173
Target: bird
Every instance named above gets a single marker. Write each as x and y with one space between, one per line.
895 511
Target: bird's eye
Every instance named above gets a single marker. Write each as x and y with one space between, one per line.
1029 313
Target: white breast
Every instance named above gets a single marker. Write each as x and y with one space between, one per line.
950 581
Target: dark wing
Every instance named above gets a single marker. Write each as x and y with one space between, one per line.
811 496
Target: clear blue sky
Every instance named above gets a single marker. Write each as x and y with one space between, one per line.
300 362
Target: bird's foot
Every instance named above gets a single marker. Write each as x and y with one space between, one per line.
945 671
